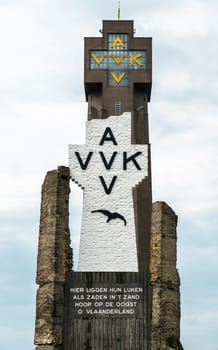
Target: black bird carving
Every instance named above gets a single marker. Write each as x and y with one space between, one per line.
110 216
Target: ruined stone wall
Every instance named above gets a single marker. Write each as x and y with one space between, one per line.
165 330
54 259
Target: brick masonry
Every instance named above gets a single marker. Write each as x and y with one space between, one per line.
108 246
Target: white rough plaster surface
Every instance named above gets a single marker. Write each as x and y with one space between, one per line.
108 246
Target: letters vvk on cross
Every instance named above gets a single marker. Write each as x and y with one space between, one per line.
119 55
108 136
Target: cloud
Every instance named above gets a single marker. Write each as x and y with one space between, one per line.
38 60
195 325
188 19
17 269
43 109
183 159
35 143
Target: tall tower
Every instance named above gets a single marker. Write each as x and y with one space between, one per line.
125 293
113 168
118 78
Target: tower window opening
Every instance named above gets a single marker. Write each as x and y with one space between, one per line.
117 108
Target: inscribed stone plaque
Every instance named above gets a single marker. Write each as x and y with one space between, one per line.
106 300
105 310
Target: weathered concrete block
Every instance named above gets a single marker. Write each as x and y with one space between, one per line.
165 329
54 252
49 314
49 347
54 259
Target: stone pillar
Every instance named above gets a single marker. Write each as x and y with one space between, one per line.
165 282
54 259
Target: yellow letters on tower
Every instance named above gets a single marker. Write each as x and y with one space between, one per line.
100 59
117 42
118 60
116 78
134 59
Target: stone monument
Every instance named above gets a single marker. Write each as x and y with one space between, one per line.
125 292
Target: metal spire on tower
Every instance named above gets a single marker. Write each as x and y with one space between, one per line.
118 12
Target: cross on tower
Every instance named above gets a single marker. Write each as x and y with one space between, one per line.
117 69
117 60
118 78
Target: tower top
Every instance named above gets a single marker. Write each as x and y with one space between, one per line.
117 70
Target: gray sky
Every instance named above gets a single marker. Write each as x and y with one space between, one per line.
43 109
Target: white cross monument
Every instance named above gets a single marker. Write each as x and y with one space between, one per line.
107 168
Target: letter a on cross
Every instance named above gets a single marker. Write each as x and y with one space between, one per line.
107 168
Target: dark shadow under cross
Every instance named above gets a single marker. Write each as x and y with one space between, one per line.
110 215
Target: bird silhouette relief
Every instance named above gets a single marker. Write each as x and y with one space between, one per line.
110 215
